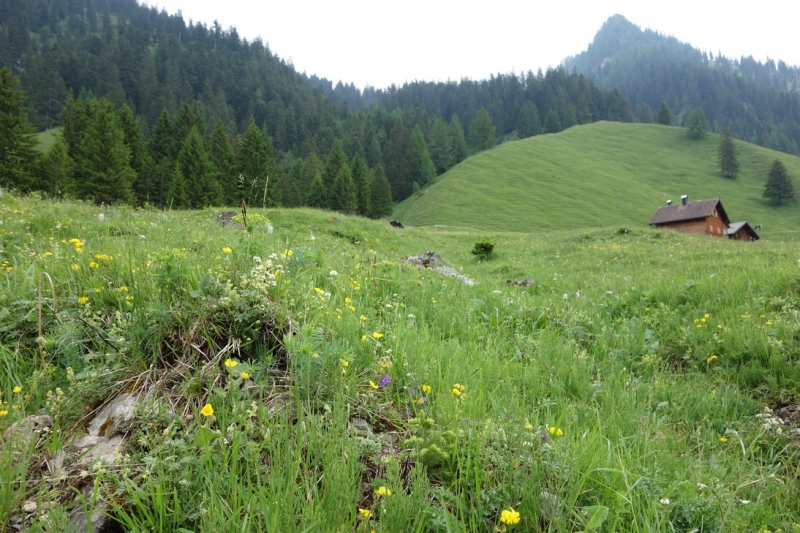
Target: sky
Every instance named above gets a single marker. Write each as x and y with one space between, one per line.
381 42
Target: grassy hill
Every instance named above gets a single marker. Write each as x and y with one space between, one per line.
45 139
599 175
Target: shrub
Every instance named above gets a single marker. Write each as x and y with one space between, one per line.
483 248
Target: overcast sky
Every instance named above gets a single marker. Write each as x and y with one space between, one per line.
374 42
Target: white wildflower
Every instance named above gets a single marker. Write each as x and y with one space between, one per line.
664 501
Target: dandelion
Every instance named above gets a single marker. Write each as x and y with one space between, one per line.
556 432
723 440
207 410
123 289
509 516
383 491
245 375
376 335
230 363
83 300
318 290
427 389
226 250
48 254
366 513
363 337
315 355
351 308
17 389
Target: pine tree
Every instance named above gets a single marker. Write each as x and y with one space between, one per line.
528 123
646 115
55 175
178 194
333 164
17 155
358 171
779 185
381 194
399 161
664 114
551 122
697 124
457 140
257 168
133 140
425 171
317 194
441 146
161 149
197 171
343 194
102 162
482 131
224 161
727 156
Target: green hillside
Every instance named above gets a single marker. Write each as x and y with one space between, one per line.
46 139
599 175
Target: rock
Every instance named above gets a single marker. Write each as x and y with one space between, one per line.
91 448
30 506
449 271
56 466
360 425
113 415
433 260
99 520
22 432
521 283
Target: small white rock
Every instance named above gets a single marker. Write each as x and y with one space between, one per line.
101 217
664 501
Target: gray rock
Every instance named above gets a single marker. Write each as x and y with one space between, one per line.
91 448
23 432
98 520
113 415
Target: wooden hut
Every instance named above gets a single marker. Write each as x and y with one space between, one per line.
741 231
704 217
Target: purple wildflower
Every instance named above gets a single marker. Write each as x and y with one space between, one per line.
545 436
385 380
411 391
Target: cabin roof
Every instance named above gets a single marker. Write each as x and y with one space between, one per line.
736 226
669 214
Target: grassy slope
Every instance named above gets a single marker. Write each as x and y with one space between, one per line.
46 139
599 175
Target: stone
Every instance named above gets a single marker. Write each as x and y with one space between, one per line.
91 448
113 415
434 261
30 506
98 520
23 432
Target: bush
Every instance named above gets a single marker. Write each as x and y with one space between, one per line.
483 249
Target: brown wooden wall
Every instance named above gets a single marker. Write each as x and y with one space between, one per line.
741 235
715 226
708 226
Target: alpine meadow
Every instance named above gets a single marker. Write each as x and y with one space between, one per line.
236 297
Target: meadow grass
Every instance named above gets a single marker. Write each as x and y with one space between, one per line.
628 388
600 175
46 139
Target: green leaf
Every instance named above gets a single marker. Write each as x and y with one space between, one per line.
204 437
594 517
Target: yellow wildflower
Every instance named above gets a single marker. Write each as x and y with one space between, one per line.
383 491
509 516
460 387
245 375
17 389
318 290
123 289
48 254
427 389
288 252
351 308
75 267
372 384
3 413
556 432
347 300
314 355
366 513
92 265
362 318
529 426
363 337
376 335
456 392
226 250
83 300
723 440
345 363
207 410
711 359
230 363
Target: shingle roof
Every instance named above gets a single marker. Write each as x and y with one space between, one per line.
691 211
736 226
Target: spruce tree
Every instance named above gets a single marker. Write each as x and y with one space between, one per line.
441 146
17 154
528 123
697 124
358 171
400 163
102 162
482 131
133 140
333 164
257 168
177 196
381 194
551 122
779 185
56 170
162 152
727 157
224 161
425 171
664 114
457 140
317 193
343 195
197 171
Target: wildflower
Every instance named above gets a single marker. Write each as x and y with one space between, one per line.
123 289
702 486
333 273
723 440
318 290
351 308
383 491
459 387
314 355
17 389
427 389
207 410
711 359
456 392
664 501
372 384
363 337
226 250
385 380
83 300
230 363
245 375
509 516
347 300
556 432
362 318
92 264
376 335
75 267
3 413
345 363
48 254
529 426
366 513
288 252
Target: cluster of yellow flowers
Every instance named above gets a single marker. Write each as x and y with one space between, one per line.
458 390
